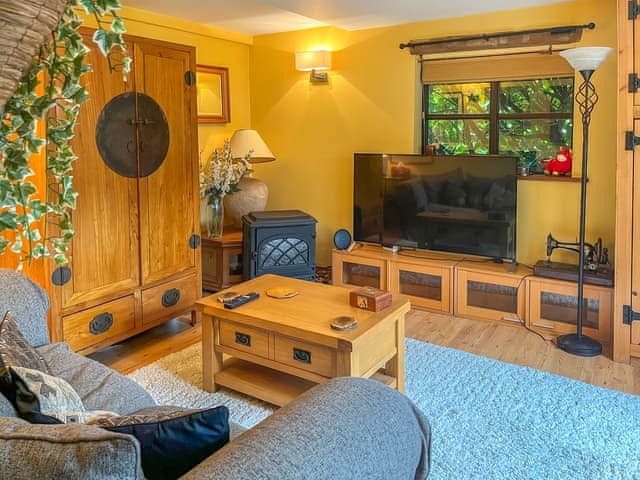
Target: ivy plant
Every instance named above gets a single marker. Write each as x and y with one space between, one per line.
50 92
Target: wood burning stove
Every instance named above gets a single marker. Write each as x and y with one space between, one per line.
281 242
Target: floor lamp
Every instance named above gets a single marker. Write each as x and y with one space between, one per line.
586 60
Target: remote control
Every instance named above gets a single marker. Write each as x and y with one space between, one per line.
241 300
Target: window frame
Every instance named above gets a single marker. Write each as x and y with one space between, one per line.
493 116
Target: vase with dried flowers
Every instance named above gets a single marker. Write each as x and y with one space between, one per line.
219 176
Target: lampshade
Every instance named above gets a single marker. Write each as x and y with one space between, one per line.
316 60
586 58
245 140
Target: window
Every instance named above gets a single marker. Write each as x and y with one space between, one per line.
530 119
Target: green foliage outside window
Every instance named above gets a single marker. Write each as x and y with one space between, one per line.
530 119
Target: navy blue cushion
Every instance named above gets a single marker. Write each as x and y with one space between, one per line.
173 444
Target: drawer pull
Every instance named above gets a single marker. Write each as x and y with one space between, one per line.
101 323
243 339
301 356
543 325
170 297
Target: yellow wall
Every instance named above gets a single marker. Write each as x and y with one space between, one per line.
370 105
214 46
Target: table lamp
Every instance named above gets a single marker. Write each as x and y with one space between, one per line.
254 193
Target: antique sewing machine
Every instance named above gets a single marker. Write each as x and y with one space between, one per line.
597 270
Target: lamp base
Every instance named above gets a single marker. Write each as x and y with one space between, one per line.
252 197
581 346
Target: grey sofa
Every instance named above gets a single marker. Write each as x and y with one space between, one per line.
346 428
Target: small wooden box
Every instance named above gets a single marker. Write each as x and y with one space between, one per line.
370 298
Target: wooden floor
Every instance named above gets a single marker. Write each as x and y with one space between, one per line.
507 343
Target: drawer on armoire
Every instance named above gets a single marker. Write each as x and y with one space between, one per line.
91 326
171 298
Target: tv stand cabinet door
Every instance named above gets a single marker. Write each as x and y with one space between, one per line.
490 297
426 286
553 309
355 271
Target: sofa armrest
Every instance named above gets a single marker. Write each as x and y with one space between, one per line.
29 451
344 428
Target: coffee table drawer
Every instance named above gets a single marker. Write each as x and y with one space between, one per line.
245 339
306 356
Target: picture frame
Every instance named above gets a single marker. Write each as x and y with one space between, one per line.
212 85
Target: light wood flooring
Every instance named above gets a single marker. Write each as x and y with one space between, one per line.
511 344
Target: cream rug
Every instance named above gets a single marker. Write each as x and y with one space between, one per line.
177 380
490 419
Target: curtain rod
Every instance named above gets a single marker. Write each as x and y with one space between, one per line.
487 36
549 51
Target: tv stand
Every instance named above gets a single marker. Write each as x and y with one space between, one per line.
475 287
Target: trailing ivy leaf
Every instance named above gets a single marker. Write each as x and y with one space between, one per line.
8 221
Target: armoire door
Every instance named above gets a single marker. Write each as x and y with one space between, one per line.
635 257
104 257
168 196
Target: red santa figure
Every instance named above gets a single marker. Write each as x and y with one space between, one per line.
560 164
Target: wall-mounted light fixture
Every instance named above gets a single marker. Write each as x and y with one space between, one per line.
316 62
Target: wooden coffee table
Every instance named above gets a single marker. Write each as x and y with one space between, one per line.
275 349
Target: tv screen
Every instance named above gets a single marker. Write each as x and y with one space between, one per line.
461 203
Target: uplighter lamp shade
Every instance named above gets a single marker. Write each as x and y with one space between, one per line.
316 60
586 58
245 141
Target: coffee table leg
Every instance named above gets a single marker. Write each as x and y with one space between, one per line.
395 366
211 360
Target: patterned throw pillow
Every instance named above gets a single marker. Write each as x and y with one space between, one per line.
15 351
39 396
173 443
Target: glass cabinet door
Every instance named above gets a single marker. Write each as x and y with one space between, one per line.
553 308
361 274
502 298
564 308
488 296
421 285
427 286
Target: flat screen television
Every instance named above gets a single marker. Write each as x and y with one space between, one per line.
462 203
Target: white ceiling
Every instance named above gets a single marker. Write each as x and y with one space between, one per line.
257 17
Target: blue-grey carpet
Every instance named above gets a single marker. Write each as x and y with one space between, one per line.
491 420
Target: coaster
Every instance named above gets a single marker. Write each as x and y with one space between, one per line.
281 292
344 323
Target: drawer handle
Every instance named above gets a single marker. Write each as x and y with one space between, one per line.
543 325
243 339
170 297
101 323
301 356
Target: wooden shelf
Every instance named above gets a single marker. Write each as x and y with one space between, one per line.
550 178
255 380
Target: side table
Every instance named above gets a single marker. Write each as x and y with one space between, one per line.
222 260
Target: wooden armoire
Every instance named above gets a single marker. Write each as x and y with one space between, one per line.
626 324
135 256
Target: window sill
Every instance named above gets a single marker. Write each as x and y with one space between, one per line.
549 178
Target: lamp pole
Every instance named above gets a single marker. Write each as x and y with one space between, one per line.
586 60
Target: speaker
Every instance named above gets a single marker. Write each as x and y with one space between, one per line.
342 239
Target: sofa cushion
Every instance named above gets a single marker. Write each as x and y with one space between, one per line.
41 398
174 442
235 430
28 302
30 451
99 387
15 351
